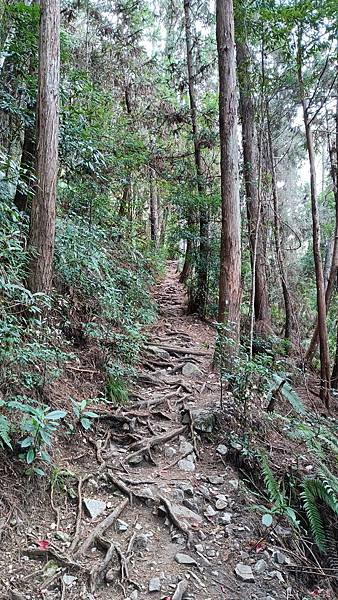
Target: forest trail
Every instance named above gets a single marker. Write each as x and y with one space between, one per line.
171 516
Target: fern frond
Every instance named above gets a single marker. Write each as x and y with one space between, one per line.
313 514
275 493
289 394
4 432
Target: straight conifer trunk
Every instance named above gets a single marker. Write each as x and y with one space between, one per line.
230 256
198 303
42 224
320 284
253 204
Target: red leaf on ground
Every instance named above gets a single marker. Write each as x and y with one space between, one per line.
260 547
43 544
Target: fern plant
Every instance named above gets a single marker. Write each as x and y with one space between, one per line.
280 505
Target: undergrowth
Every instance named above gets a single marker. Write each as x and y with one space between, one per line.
101 298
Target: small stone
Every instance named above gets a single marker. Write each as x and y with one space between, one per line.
94 507
179 495
278 575
203 420
185 513
190 370
69 579
169 452
221 504
141 541
62 536
210 512
222 450
134 595
216 479
199 547
244 572
187 464
184 559
154 584
160 352
260 566
187 488
279 558
135 460
186 447
204 491
225 518
211 553
234 483
146 492
121 525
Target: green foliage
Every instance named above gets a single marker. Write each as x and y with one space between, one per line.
116 390
5 432
39 422
85 417
283 386
280 504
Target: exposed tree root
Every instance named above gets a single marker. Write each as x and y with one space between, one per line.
181 589
100 529
179 524
182 350
52 553
145 446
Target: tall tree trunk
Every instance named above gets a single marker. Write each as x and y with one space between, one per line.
42 225
200 300
230 256
277 234
333 150
334 173
254 207
334 375
321 304
153 208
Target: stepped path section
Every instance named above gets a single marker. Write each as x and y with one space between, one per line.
157 512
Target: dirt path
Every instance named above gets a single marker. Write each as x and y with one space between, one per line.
172 517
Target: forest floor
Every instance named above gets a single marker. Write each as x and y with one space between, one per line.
171 514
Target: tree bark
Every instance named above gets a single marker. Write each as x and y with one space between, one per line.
320 285
334 261
198 303
153 208
42 225
230 255
254 206
277 234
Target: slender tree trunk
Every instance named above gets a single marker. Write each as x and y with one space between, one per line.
253 204
334 261
334 173
334 375
321 304
153 208
230 256
199 302
277 234
42 225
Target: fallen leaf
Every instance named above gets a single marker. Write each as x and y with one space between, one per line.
43 544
